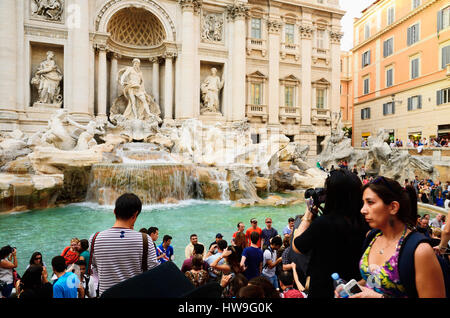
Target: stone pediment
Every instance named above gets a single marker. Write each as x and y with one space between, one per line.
322 81
257 75
290 78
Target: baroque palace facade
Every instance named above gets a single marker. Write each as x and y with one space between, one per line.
277 61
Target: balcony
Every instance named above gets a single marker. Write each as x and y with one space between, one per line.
257 45
322 54
287 112
318 114
290 49
257 111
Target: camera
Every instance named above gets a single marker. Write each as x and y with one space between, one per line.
318 196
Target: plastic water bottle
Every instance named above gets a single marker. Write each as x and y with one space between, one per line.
339 284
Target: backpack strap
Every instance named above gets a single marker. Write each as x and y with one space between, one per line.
406 266
92 254
144 252
369 239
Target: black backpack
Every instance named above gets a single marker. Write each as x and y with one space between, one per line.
406 267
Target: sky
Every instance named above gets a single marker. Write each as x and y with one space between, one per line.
353 8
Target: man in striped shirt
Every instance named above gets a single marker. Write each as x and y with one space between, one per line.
118 251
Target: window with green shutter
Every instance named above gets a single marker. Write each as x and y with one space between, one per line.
443 18
389 77
445 56
415 102
389 108
413 34
415 68
388 47
443 96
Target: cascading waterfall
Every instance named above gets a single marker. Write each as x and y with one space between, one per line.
220 177
153 183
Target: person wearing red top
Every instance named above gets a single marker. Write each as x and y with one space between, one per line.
287 280
254 228
71 253
241 228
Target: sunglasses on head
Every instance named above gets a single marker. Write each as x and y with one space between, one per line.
381 179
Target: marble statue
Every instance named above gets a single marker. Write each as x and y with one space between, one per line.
140 104
86 139
48 9
56 133
47 80
210 89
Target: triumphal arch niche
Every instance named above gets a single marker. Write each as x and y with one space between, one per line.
135 48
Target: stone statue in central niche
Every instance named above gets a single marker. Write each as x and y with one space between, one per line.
140 104
210 89
47 81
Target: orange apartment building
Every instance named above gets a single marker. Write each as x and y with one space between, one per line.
401 70
346 91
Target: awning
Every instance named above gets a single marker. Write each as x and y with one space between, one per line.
365 134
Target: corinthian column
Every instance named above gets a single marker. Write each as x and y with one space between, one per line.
186 109
306 47
101 81
168 89
79 39
113 77
238 13
8 57
274 71
155 82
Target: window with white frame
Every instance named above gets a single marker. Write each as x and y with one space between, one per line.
445 56
289 96
389 77
256 93
443 18
415 3
366 85
321 97
289 32
320 34
366 31
414 102
390 15
443 96
415 64
389 108
365 113
413 34
256 28
388 47
366 58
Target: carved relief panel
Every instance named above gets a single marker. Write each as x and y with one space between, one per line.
212 27
47 10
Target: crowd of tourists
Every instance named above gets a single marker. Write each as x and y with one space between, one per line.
415 143
358 231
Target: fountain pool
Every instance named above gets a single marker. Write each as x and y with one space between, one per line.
49 231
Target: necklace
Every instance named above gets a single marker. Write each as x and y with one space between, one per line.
382 249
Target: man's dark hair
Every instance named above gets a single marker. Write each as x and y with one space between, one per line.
152 230
222 245
192 235
58 264
276 241
251 291
84 244
166 238
286 278
254 237
239 223
199 249
81 262
127 205
291 220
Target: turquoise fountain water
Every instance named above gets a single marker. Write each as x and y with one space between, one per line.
49 231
